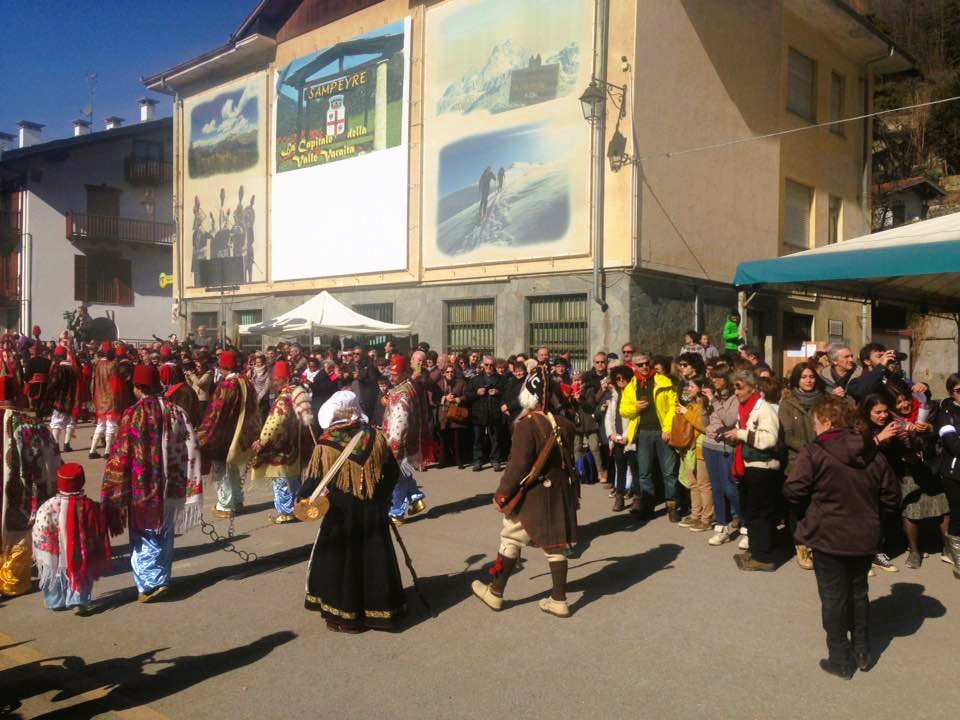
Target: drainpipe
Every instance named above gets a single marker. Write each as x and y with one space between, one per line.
868 137
597 167
26 267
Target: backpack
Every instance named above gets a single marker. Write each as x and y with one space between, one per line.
587 469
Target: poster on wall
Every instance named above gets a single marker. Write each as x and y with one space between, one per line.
506 149
226 174
340 186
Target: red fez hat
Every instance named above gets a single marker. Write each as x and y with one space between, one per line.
70 478
228 360
281 369
145 375
60 351
121 350
165 351
106 346
398 364
36 331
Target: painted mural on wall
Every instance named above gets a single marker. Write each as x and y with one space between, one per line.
226 174
342 101
506 149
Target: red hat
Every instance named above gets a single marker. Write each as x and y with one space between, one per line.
59 351
145 376
281 369
70 478
165 351
121 350
398 364
106 346
36 331
228 360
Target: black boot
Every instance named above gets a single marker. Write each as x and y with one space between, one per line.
556 604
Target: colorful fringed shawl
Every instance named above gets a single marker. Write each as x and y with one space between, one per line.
31 459
361 472
70 536
232 422
153 471
284 433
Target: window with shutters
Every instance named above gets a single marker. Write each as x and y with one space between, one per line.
838 89
375 311
248 342
802 86
469 324
833 219
796 223
560 323
102 278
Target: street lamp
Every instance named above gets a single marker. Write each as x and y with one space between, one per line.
592 102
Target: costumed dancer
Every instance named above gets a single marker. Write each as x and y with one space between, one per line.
38 375
404 422
226 435
63 396
170 372
353 578
30 463
71 544
285 434
538 495
109 398
152 483
183 395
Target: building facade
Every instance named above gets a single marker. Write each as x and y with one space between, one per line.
88 220
429 163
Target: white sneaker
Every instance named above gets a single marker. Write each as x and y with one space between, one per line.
721 534
744 543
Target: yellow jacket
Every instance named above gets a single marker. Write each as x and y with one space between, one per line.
664 401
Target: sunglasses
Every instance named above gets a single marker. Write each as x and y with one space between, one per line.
955 391
642 364
683 364
739 386
487 364
599 362
627 352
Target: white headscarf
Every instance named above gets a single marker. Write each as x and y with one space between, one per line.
334 410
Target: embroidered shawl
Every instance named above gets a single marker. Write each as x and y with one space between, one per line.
362 471
109 390
31 459
153 471
284 433
70 536
404 422
231 423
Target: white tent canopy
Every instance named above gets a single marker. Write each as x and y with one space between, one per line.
323 313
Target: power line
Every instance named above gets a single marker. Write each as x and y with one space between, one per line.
780 133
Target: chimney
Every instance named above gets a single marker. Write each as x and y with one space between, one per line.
6 141
147 109
29 133
114 122
81 127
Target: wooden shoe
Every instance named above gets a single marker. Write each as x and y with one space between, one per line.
558 608
483 591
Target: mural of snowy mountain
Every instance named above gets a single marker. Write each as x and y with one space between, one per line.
488 88
533 207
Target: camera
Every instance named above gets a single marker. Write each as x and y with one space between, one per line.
721 432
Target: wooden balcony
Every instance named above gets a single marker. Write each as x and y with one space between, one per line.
142 172
87 226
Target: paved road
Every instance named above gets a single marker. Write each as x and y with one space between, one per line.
664 626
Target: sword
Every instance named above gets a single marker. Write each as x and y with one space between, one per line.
413 573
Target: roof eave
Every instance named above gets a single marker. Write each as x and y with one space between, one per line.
235 51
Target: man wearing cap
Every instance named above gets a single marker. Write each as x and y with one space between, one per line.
170 372
284 441
152 482
109 397
545 513
63 396
404 422
71 544
226 435
29 480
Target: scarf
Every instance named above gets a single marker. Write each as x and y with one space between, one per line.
805 398
260 377
362 471
70 536
231 423
30 463
739 468
153 475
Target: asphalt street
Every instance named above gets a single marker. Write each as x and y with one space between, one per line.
663 626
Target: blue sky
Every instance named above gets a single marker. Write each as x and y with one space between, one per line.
47 47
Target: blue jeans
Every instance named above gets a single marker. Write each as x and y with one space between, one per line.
151 557
58 595
650 442
720 471
285 494
405 493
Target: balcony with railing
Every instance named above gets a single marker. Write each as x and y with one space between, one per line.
142 171
110 228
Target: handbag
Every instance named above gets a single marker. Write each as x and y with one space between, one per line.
681 433
457 413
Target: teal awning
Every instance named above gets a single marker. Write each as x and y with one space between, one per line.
917 263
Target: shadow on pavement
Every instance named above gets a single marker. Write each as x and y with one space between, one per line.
129 683
457 506
121 553
441 591
189 585
900 614
604 526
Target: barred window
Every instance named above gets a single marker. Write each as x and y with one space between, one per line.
560 323
375 311
248 343
469 324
